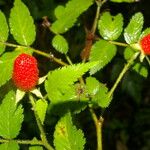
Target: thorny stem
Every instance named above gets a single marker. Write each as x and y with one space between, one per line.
50 56
98 124
126 67
43 135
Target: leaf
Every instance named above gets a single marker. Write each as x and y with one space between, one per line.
11 117
110 27
35 148
128 53
21 24
60 44
145 32
92 85
3 31
41 107
9 146
103 52
67 136
102 98
19 95
98 92
128 1
6 66
69 15
133 31
59 10
59 84
140 69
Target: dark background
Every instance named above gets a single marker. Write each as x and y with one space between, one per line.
127 121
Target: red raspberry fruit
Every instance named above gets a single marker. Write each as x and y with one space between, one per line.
145 44
25 72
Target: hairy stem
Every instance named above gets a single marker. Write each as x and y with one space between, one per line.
25 142
126 67
98 125
119 43
40 126
50 56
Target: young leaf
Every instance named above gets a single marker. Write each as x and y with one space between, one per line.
60 44
67 136
133 31
9 146
41 107
6 66
110 27
21 24
35 148
103 52
98 92
11 117
60 82
3 31
68 17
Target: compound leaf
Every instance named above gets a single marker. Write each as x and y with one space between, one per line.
103 52
11 117
67 136
21 24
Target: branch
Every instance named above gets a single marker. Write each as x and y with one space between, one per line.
126 67
43 135
50 56
98 124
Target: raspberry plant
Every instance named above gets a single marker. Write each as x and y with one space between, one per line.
71 87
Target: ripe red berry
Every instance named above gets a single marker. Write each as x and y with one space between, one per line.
25 72
145 44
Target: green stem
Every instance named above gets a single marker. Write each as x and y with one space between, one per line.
148 60
69 60
50 56
98 2
119 43
126 67
28 142
43 135
98 124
